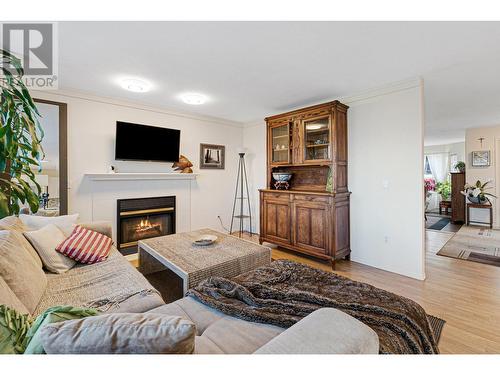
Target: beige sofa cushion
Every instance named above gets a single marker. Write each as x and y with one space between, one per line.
20 272
36 222
236 336
202 345
45 241
200 314
13 223
324 331
8 298
126 333
111 280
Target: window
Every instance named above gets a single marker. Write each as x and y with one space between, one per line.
427 167
453 162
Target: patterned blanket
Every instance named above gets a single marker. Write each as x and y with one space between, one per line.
284 292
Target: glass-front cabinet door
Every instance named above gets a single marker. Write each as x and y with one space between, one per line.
317 139
280 144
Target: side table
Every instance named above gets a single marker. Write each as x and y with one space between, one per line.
481 206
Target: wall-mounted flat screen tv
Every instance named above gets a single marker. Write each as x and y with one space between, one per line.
146 143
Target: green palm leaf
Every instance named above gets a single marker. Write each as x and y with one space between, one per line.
20 137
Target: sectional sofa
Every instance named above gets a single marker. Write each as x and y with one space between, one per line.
116 286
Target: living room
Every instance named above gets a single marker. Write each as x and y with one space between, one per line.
194 197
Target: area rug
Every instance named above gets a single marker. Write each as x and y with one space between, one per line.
439 224
476 244
437 325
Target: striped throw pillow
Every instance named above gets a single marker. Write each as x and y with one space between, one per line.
85 246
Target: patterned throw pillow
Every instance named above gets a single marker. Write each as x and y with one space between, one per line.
85 246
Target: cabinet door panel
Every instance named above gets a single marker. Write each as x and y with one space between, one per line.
277 220
311 227
316 139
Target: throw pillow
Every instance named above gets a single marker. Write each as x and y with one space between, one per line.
23 276
13 329
8 298
45 241
37 222
86 246
126 333
52 315
14 224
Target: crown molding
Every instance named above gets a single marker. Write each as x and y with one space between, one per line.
82 95
382 90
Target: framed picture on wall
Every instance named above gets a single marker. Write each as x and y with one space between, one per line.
212 156
480 158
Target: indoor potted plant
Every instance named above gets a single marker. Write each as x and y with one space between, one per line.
460 166
20 137
444 188
477 193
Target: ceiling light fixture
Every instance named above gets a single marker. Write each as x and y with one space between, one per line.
135 85
193 98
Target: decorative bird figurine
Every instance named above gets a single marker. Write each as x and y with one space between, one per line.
183 165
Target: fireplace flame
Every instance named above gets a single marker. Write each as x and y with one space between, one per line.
145 224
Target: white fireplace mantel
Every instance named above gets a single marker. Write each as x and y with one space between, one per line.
140 176
104 189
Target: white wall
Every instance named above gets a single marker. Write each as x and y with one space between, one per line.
385 145
91 138
491 137
254 141
385 177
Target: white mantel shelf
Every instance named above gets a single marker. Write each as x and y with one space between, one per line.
139 176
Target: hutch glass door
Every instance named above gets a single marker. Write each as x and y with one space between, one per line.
317 139
280 139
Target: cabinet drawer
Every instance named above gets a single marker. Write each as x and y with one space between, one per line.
311 198
277 196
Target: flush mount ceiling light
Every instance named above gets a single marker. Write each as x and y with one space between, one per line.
193 98
135 85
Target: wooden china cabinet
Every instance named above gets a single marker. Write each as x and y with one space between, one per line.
307 218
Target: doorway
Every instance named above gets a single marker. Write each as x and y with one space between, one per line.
53 176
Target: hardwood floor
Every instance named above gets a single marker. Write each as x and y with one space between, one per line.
465 294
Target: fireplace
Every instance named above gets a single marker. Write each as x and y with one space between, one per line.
142 218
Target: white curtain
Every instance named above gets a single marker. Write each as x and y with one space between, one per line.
439 164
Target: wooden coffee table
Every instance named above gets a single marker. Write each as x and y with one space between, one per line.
229 256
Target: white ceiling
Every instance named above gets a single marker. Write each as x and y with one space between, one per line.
254 69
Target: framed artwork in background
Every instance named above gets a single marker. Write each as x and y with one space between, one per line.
212 156
481 158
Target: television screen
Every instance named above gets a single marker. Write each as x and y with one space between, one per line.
149 143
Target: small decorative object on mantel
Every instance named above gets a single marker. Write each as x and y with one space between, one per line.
477 193
480 158
460 166
183 165
212 156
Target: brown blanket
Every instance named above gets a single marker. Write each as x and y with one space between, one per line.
284 292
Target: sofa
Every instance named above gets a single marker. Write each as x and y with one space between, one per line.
115 286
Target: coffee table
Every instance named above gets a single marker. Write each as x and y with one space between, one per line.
229 256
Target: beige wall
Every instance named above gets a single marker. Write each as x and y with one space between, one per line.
491 137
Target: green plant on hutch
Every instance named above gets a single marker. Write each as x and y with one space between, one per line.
460 166
20 137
